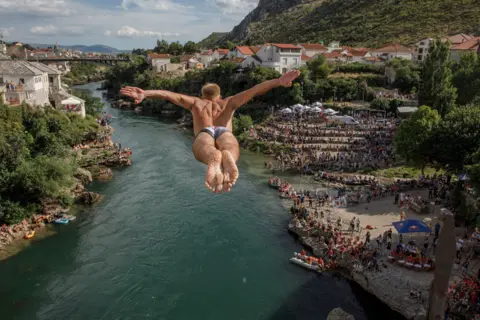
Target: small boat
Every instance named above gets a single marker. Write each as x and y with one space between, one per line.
61 221
29 234
72 218
308 266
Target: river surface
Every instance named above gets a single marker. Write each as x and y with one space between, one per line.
160 246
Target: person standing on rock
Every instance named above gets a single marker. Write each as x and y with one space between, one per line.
214 144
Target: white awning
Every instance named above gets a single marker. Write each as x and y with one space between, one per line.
71 101
286 110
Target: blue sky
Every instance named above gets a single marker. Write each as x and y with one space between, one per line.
123 24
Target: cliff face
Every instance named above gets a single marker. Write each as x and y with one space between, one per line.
355 22
264 9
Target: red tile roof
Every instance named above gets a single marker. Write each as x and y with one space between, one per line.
285 46
207 53
332 55
306 58
372 59
471 44
246 51
223 51
313 46
238 60
393 47
254 49
358 53
159 56
459 38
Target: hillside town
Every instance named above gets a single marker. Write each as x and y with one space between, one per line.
285 57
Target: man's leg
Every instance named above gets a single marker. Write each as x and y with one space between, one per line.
204 151
228 145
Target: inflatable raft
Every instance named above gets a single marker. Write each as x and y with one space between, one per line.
302 263
61 221
29 234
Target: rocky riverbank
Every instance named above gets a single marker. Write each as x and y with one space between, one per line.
391 284
95 158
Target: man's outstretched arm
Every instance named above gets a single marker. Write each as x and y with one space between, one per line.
178 99
138 95
242 98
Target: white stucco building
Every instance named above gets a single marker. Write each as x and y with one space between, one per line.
457 50
24 83
392 51
421 49
206 58
279 56
312 49
158 62
219 54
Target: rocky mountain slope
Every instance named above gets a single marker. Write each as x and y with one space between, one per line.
355 22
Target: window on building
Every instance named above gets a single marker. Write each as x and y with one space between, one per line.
284 70
50 79
420 50
422 43
284 60
22 80
1 80
419 58
295 61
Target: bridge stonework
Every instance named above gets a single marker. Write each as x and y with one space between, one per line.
106 61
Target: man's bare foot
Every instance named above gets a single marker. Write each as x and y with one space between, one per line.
230 170
214 178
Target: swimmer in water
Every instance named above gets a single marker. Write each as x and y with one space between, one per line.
214 144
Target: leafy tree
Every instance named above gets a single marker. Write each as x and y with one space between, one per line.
319 69
230 45
35 162
458 138
175 48
466 78
241 124
414 136
436 89
380 104
162 46
190 47
93 105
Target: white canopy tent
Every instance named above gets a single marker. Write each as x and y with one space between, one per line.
316 109
317 104
286 110
71 101
330 111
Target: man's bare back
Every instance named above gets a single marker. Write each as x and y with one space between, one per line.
214 145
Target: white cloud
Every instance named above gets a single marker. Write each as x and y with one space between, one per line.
129 32
236 6
36 7
6 32
160 5
50 30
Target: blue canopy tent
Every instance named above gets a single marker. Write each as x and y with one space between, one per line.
411 226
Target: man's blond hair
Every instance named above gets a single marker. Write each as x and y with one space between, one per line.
210 91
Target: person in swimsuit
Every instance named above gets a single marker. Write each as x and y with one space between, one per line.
214 144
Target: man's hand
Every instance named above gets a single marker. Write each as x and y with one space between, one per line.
135 93
287 78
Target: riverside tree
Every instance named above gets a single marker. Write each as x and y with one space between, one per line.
466 78
436 89
413 137
35 162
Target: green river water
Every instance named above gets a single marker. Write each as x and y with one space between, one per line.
160 246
